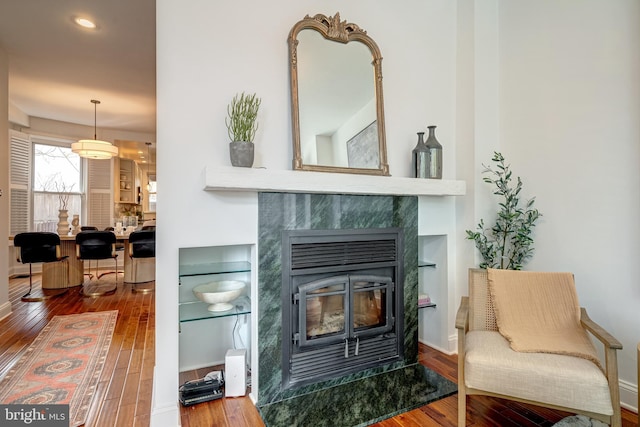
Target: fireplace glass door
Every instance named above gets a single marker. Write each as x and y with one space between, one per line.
323 310
342 308
371 305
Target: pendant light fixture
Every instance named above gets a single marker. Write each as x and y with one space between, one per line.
94 148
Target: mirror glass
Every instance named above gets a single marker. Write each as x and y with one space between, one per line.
336 89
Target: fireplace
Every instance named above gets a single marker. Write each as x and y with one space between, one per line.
336 220
342 299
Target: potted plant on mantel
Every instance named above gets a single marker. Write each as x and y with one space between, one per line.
508 243
242 125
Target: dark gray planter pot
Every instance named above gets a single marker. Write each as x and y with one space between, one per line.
241 153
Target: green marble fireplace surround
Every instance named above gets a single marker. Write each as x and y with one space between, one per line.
291 211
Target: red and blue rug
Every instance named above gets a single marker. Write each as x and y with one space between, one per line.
63 364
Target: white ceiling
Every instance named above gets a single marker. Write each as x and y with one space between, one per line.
56 67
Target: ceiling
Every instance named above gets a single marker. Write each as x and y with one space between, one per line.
57 67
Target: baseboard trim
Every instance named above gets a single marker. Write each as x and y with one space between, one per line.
5 310
163 416
440 349
628 395
453 344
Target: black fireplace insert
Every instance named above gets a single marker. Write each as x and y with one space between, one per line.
342 302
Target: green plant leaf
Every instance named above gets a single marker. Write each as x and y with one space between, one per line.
508 243
242 113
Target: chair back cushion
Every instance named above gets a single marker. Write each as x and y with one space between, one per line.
37 247
143 244
95 244
481 314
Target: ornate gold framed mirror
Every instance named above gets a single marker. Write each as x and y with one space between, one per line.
336 98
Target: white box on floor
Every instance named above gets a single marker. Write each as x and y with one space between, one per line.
235 375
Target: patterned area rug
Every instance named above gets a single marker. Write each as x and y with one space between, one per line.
579 421
63 364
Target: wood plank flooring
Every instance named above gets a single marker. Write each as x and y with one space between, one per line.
123 396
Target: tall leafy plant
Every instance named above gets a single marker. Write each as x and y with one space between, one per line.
242 117
508 243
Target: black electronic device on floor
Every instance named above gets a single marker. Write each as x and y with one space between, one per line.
203 389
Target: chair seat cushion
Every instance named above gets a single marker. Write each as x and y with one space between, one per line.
573 382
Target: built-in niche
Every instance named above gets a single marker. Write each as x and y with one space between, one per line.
205 336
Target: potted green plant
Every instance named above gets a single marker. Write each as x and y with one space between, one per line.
242 125
508 243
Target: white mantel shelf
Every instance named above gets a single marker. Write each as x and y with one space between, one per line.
225 178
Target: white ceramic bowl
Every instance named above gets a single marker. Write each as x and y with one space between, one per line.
218 294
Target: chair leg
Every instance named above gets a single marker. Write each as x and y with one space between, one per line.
52 294
462 391
462 407
99 292
89 273
116 271
134 285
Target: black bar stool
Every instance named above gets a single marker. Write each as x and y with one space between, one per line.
97 245
142 244
39 247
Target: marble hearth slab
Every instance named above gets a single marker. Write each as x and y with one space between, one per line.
222 178
362 402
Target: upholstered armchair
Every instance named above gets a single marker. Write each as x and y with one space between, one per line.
487 364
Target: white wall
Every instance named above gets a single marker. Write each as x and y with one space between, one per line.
569 124
5 305
208 51
531 79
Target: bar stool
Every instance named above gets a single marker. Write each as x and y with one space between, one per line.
142 246
119 249
39 247
88 228
97 245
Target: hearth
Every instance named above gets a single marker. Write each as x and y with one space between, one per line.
343 304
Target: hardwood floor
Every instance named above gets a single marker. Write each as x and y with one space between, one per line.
123 397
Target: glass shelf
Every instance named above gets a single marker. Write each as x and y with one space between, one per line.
431 304
197 310
214 268
426 264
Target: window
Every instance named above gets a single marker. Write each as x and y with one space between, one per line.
57 184
152 188
44 172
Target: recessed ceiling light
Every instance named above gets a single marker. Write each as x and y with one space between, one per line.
84 22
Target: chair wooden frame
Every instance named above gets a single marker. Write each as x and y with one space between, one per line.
611 345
